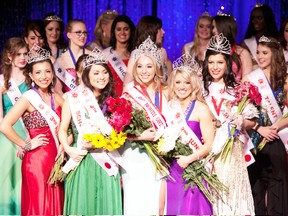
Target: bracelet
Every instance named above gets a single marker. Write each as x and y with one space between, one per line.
27 146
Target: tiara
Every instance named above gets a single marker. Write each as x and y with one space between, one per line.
206 13
95 57
219 43
186 62
36 54
53 18
264 39
149 48
258 5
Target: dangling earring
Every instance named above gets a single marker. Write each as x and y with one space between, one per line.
155 78
104 34
32 84
52 83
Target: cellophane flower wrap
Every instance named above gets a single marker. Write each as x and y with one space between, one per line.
195 173
247 98
120 111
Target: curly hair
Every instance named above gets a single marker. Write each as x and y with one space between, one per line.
107 91
228 77
11 48
278 72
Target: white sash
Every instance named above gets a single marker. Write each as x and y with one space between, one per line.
268 101
216 90
252 46
153 114
85 111
50 116
116 62
14 94
176 117
65 76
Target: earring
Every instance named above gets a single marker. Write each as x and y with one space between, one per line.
32 84
155 78
52 83
104 34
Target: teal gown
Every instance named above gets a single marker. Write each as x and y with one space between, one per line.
90 191
10 174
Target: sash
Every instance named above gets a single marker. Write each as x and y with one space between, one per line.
252 46
64 76
50 116
268 101
85 110
178 118
116 62
221 112
153 115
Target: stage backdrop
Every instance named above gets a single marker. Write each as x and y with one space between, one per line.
179 17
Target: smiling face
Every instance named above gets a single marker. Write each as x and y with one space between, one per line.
42 74
52 31
98 77
78 34
257 19
182 87
122 32
264 56
145 70
19 60
204 28
217 66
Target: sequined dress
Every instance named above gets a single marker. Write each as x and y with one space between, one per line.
39 197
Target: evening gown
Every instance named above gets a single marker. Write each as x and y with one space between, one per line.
39 197
191 201
10 175
89 190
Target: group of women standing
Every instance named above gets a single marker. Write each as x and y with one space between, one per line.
44 123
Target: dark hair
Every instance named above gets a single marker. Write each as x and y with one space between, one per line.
33 25
281 34
270 27
11 47
126 19
29 69
147 26
278 67
79 66
61 43
107 91
228 76
228 27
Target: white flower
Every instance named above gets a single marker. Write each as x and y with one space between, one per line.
250 111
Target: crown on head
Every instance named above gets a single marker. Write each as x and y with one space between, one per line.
219 43
186 62
36 53
95 57
206 13
264 39
149 48
53 18
258 5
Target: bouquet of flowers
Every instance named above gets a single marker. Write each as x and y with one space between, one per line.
105 134
195 173
247 97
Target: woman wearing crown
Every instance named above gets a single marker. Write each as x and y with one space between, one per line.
65 65
94 186
186 101
219 83
141 185
12 85
269 174
40 109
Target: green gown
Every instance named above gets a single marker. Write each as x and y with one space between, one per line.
90 191
10 174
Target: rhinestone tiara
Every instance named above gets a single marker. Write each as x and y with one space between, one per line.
95 57
149 48
219 43
186 62
53 18
264 39
36 53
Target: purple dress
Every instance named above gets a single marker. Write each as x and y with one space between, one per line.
189 202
